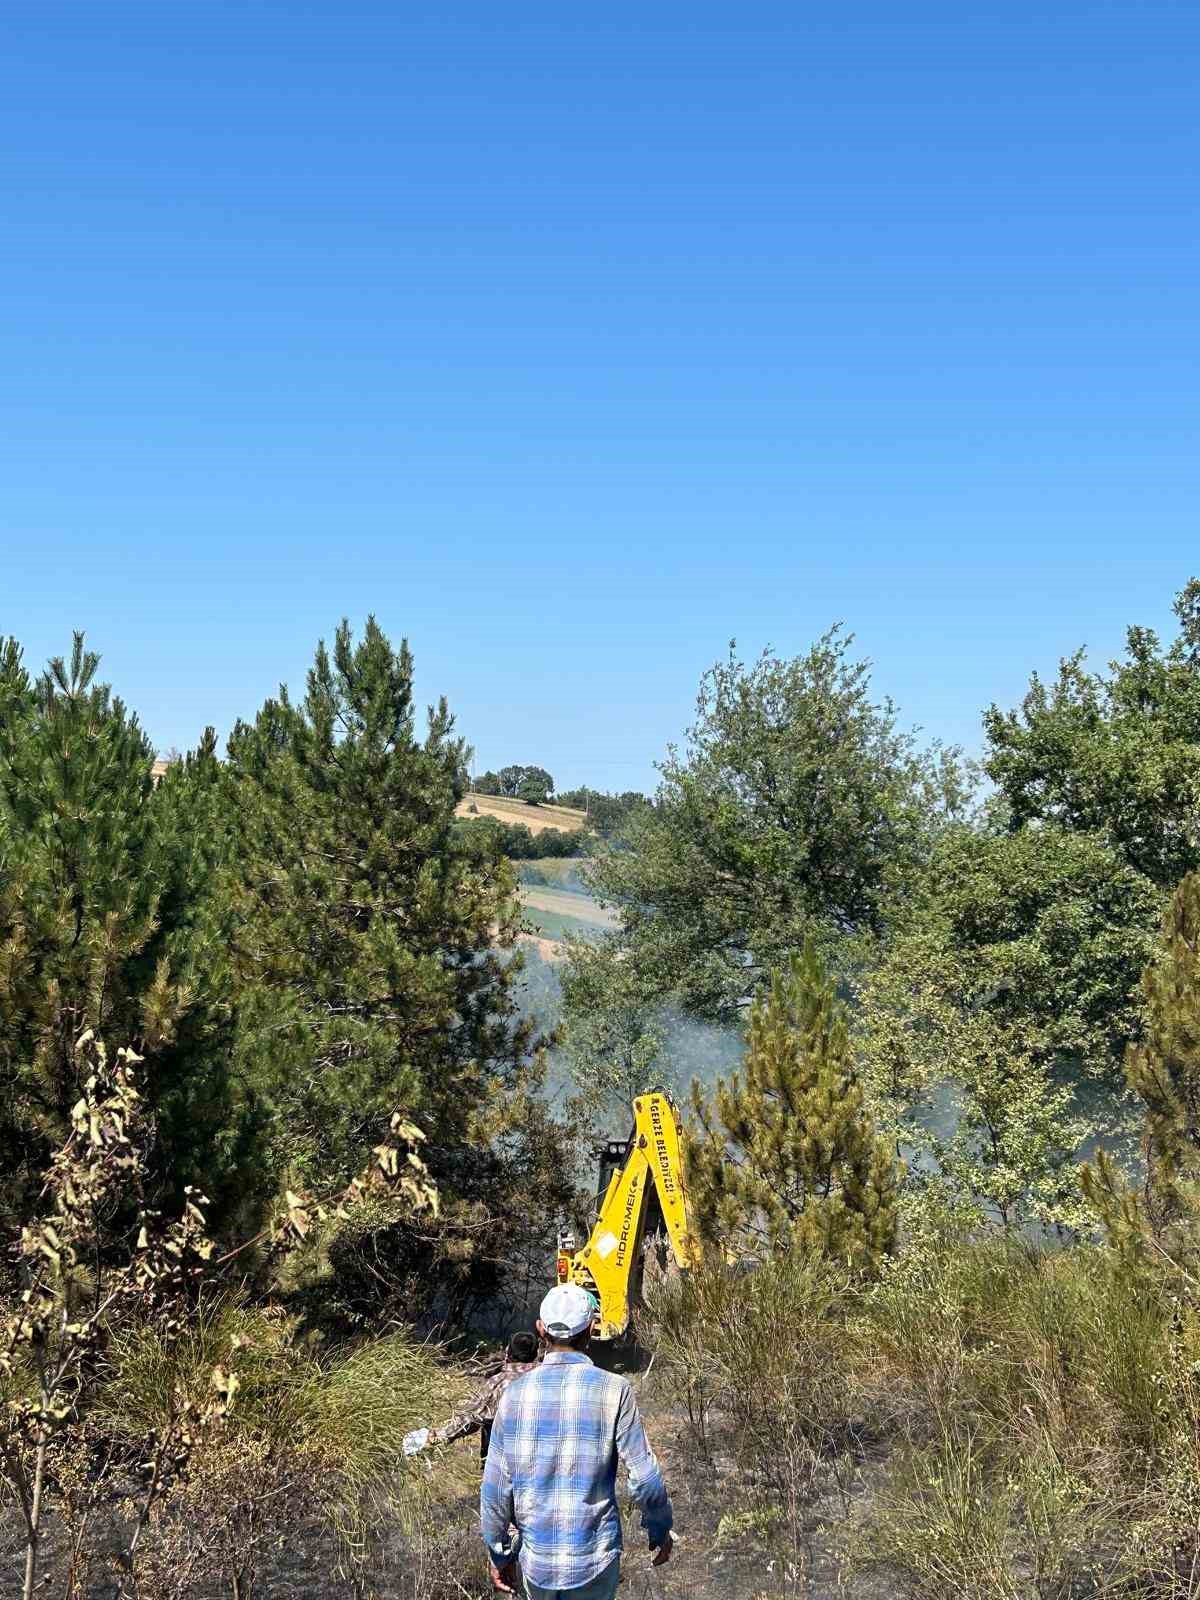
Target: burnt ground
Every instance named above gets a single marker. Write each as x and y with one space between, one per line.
727 1548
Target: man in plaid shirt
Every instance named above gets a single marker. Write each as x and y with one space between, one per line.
549 1486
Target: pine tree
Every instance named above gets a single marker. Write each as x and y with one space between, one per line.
213 1100
374 956
788 1156
1163 1070
96 929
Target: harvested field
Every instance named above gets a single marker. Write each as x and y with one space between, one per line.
536 818
562 903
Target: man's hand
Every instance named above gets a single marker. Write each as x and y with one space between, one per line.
662 1552
504 1579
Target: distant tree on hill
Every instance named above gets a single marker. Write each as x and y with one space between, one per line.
606 813
519 843
557 842
487 783
536 786
516 841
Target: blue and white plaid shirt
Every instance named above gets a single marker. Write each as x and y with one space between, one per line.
552 1472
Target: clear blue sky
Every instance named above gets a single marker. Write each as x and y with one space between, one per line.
574 342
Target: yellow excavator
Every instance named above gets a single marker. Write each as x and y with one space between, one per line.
642 1198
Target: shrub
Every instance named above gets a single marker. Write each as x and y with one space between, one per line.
1046 1424
312 1442
759 1358
986 1418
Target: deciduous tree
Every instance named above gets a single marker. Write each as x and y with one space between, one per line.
1115 755
797 809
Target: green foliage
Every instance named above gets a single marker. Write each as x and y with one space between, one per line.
606 813
1044 930
198 1422
787 1156
515 841
373 948
104 925
1045 1408
1003 1003
1164 1067
1115 755
797 809
983 1418
614 1047
554 844
1163 1070
374 962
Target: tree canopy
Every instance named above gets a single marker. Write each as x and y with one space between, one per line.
106 923
1116 754
797 808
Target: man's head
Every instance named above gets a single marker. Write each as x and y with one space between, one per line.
566 1316
523 1347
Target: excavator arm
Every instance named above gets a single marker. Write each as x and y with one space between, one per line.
610 1260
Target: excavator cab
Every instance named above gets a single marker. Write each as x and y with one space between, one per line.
641 1197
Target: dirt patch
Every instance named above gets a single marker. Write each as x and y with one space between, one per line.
549 949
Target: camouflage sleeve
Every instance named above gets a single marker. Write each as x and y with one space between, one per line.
471 1419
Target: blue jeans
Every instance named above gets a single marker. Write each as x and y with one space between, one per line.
602 1588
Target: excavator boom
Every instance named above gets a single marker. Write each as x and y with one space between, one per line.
610 1261
656 1132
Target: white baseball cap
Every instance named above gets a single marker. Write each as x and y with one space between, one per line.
566 1311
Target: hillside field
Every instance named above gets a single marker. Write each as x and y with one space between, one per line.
536 818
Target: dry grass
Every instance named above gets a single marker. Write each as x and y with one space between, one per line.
1029 1421
311 1453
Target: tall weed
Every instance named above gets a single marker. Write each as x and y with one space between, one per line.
1025 1421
